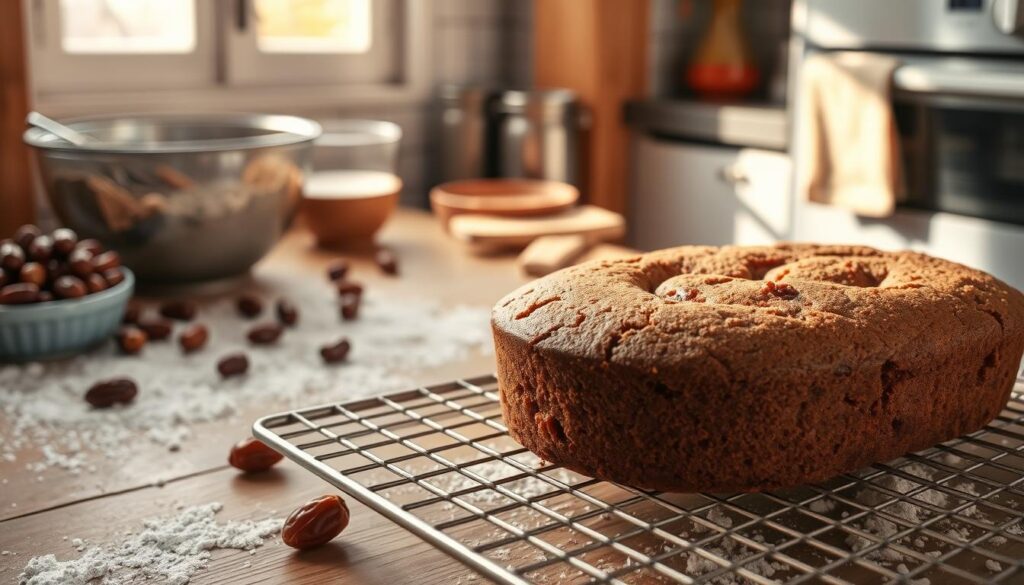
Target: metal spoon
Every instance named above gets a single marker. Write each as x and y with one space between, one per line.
57 129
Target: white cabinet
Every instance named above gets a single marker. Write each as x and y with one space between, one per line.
693 193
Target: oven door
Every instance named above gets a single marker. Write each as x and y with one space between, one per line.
962 135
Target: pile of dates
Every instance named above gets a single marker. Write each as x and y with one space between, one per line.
38 268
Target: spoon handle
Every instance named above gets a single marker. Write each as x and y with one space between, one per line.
56 128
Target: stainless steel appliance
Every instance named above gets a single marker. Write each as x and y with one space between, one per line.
959 101
510 133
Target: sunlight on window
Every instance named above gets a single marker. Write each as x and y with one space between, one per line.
128 26
314 26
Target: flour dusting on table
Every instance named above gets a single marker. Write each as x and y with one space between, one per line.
167 550
391 340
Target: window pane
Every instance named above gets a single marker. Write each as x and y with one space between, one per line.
314 26
128 26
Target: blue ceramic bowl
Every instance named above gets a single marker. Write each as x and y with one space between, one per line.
63 328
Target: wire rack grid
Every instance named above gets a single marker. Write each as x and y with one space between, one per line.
438 461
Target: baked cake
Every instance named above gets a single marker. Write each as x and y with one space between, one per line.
749 368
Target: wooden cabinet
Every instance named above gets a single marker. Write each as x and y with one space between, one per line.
697 193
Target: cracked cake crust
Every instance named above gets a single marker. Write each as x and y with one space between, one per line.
749 368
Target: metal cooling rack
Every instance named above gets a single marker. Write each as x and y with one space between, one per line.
439 462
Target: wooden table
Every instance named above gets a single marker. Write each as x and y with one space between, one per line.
118 495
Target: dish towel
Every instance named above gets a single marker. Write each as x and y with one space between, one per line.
848 149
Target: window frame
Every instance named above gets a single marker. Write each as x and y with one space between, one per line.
411 83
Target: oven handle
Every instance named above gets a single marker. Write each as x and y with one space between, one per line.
981 83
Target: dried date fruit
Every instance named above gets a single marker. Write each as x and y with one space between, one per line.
265 333
347 288
252 455
350 308
106 261
96 283
19 293
44 296
64 241
335 352
113 276
156 329
337 270
24 235
80 263
90 245
34 273
249 305
287 313
179 310
235 364
316 523
131 340
69 287
107 393
387 261
193 338
41 249
12 257
4 279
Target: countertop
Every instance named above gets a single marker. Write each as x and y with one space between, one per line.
759 125
38 512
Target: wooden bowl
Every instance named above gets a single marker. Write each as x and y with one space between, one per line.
503 197
352 218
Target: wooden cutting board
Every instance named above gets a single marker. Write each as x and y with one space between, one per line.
483 231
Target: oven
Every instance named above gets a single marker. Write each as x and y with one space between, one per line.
958 96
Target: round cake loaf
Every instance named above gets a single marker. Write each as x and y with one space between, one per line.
749 368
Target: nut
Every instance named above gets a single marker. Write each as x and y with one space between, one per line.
287 313
131 340
251 455
90 245
316 523
106 393
193 338
335 352
249 305
235 364
348 288
265 334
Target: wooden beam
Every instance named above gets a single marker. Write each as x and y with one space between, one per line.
15 174
597 48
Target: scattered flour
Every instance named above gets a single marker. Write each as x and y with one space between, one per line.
392 339
166 550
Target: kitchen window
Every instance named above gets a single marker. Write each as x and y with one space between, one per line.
111 55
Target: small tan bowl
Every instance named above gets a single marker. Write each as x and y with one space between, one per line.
504 197
352 218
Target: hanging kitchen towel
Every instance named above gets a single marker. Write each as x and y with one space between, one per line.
848 151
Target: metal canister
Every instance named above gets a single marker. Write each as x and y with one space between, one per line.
538 135
466 151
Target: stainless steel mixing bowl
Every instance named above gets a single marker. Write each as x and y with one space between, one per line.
182 198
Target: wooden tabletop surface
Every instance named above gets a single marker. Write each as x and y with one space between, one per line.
35 516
